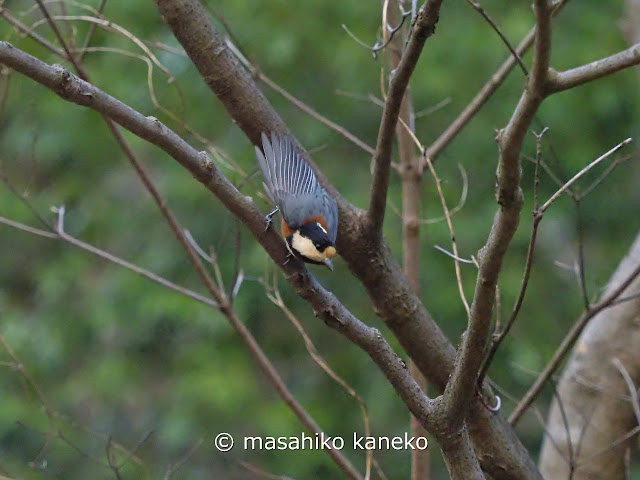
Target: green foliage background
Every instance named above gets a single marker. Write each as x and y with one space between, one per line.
117 356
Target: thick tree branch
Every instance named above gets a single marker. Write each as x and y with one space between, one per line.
560 81
423 27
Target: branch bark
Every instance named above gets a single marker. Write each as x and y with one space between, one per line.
560 81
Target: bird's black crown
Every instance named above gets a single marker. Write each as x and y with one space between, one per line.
317 234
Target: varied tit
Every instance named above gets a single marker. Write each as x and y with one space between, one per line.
309 213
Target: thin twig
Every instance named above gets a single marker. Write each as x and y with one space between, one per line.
61 235
461 202
605 173
455 255
633 390
173 468
273 294
483 95
29 32
92 29
581 173
23 199
378 45
478 8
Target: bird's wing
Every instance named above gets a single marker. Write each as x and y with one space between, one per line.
289 181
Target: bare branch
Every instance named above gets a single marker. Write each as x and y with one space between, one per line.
581 173
537 217
560 81
462 386
478 8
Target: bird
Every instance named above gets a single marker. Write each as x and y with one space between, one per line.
309 213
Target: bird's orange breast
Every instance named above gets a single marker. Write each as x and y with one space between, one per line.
286 231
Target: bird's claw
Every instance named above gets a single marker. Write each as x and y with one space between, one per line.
269 219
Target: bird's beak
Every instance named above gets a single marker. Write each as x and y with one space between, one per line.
328 263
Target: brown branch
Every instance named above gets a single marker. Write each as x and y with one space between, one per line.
566 345
423 27
560 81
537 217
411 188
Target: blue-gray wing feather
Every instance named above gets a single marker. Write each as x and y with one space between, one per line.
292 186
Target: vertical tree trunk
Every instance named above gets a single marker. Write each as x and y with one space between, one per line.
593 412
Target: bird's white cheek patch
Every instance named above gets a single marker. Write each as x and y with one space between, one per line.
305 247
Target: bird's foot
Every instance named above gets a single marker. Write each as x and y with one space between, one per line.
269 219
